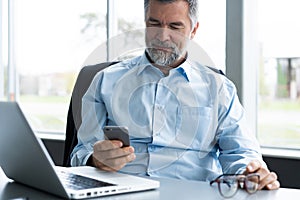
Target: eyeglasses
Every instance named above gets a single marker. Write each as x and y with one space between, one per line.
229 183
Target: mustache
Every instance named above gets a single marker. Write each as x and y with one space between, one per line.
158 43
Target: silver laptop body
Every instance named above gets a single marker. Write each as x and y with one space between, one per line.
24 158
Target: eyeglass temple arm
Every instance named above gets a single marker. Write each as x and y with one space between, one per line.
212 182
215 180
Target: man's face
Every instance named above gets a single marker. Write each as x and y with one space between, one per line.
168 31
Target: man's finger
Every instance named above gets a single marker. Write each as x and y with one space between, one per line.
267 181
253 166
113 153
273 186
118 163
105 145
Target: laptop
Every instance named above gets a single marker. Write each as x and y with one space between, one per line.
24 158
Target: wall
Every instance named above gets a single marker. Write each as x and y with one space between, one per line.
287 169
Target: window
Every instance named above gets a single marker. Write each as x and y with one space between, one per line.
211 35
49 41
278 119
127 29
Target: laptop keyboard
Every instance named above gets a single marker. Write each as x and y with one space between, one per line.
77 182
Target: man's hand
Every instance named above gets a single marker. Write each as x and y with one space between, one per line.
109 155
268 179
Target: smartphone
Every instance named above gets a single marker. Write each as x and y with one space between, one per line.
117 133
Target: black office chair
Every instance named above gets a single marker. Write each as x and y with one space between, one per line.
83 81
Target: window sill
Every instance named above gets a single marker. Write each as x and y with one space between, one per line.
281 152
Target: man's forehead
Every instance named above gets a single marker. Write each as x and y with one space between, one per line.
176 11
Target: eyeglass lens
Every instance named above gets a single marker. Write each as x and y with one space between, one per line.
228 184
251 183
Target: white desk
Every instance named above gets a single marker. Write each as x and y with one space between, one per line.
169 189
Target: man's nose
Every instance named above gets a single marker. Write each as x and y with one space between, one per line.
163 34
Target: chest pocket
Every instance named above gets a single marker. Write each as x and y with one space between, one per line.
193 125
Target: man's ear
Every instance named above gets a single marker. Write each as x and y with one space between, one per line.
194 31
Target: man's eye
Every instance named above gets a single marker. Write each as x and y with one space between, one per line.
175 27
154 24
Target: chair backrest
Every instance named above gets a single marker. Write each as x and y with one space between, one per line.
83 81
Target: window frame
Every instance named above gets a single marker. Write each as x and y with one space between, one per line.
242 55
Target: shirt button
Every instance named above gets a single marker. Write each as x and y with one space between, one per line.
159 107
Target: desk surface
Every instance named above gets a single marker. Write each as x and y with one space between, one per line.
169 189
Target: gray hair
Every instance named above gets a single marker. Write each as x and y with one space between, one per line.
193 8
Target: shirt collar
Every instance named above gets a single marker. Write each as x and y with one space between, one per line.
184 69
143 63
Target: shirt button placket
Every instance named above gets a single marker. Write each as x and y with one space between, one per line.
159 117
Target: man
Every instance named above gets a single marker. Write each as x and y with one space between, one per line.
185 120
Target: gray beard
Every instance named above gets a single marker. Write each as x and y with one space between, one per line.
162 58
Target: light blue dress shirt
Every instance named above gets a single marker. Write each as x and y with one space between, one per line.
187 125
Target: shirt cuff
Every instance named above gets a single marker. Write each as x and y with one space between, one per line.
84 161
